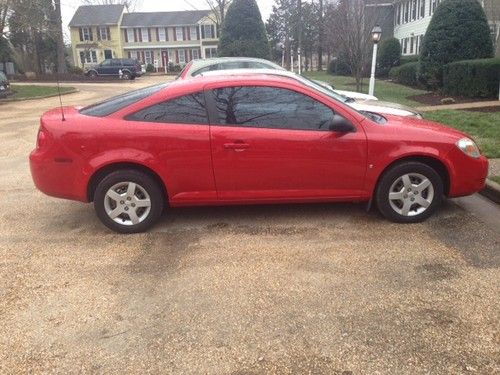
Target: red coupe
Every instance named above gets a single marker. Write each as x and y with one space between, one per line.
251 138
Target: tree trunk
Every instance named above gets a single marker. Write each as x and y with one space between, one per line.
61 60
320 37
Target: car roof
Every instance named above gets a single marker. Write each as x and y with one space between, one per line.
250 72
200 63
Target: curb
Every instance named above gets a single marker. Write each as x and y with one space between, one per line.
491 191
10 100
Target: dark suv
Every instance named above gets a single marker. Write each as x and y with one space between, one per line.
4 85
130 69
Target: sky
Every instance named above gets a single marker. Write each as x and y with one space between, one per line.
69 7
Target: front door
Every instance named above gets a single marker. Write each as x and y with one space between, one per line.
274 143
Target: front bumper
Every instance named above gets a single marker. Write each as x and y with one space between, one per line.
467 175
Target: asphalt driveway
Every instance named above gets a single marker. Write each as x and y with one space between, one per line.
320 289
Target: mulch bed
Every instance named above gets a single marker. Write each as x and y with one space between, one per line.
432 98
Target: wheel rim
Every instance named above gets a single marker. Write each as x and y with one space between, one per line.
127 203
411 194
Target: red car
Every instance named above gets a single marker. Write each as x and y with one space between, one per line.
251 138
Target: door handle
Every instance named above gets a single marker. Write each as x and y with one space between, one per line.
237 146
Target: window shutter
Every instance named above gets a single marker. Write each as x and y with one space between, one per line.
108 31
126 35
166 33
129 55
139 31
157 35
202 32
188 33
90 33
98 33
81 34
212 27
149 34
183 33
175 33
197 32
177 56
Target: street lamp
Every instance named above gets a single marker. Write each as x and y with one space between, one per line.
376 35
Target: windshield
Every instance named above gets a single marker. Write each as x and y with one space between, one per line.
3 77
116 103
325 90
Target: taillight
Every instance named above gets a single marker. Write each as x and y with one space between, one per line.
41 139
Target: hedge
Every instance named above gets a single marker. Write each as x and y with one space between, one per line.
408 59
405 74
472 78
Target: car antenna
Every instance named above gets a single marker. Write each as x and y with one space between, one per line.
59 93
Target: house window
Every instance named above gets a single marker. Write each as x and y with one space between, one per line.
179 35
196 54
104 33
148 57
145 35
406 11
192 33
88 57
130 35
162 35
207 29
210 52
182 56
405 45
85 33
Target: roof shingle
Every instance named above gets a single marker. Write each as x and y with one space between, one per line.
186 17
94 15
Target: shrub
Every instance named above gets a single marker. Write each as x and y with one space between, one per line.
75 70
472 78
243 32
339 67
458 31
150 68
405 74
408 59
389 56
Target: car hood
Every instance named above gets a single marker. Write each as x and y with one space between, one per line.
356 95
424 125
389 108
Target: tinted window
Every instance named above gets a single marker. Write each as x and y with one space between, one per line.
116 62
106 63
116 103
205 69
129 62
232 65
269 107
188 109
3 77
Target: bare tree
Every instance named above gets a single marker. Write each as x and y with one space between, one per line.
5 6
218 8
130 5
352 29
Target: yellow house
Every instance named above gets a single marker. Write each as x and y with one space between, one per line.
95 34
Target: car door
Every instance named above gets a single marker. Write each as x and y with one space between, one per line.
105 68
275 143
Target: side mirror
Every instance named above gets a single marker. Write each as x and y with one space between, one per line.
341 125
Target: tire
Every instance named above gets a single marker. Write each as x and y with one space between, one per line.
126 76
121 201
93 74
409 192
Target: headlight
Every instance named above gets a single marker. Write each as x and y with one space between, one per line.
469 147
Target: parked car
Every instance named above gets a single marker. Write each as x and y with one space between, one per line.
355 99
377 106
130 69
199 66
4 85
255 138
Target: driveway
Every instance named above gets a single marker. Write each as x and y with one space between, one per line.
321 289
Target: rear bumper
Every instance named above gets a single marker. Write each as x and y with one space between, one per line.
467 175
57 177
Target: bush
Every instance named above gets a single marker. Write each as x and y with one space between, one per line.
458 31
472 78
339 67
408 59
405 74
150 68
174 67
243 32
75 70
389 56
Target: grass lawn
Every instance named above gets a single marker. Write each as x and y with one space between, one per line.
387 91
31 91
495 178
483 126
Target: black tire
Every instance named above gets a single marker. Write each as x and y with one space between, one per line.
146 186
126 76
390 180
92 74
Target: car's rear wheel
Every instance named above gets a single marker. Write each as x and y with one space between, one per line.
128 201
409 192
92 74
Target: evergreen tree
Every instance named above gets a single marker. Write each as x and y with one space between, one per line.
243 32
389 55
458 31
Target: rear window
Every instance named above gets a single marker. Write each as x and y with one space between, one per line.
116 103
129 62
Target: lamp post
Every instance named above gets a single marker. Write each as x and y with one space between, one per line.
376 35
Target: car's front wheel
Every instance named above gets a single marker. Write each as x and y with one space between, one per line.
128 201
409 192
126 76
